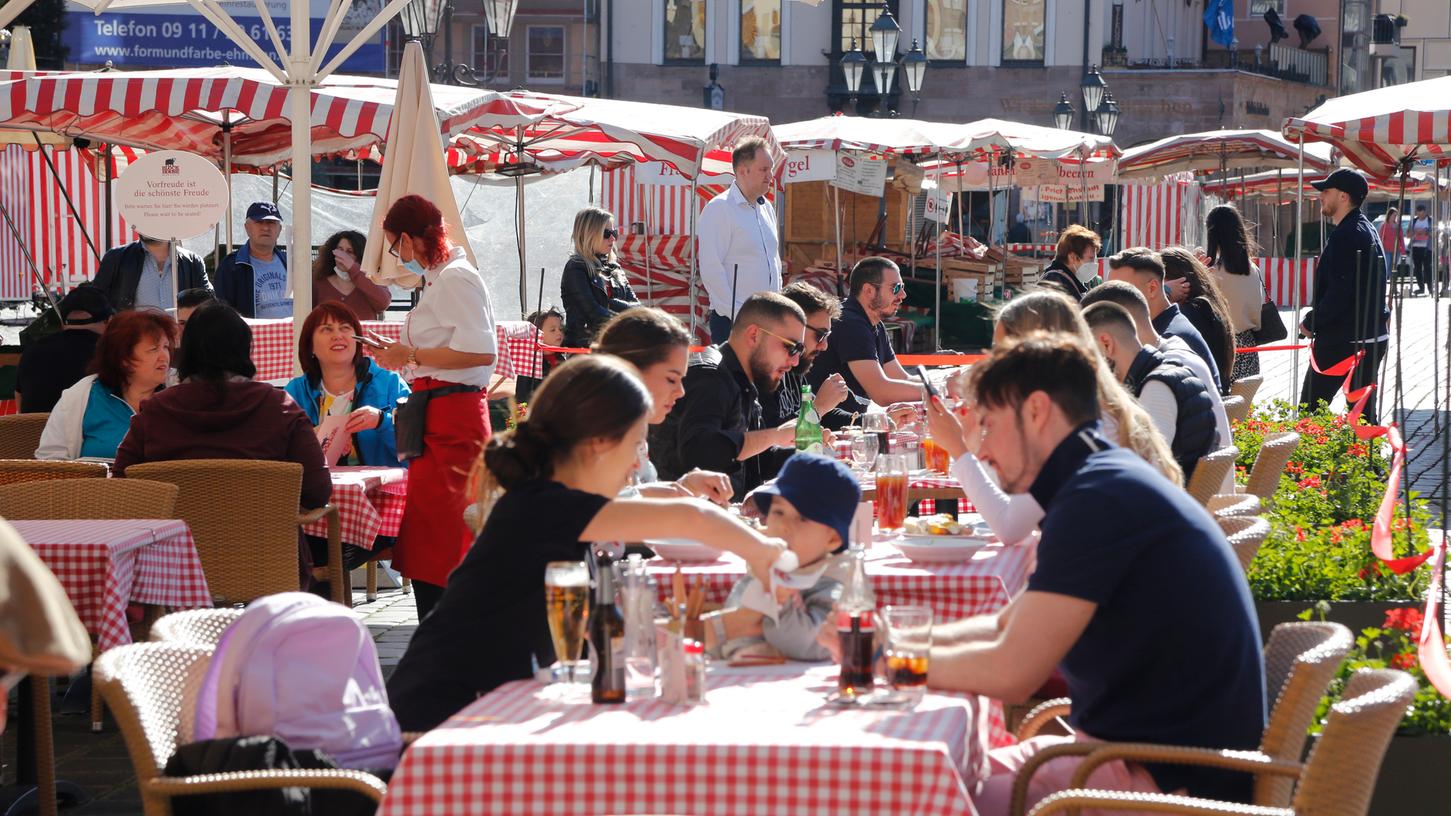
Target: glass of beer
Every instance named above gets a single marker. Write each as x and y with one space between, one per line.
908 646
880 426
891 481
566 599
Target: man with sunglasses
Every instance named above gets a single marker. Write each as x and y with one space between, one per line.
719 424
860 350
785 404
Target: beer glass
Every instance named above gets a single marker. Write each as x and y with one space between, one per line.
891 483
566 599
880 426
908 646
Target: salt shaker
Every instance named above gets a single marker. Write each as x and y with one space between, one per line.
694 672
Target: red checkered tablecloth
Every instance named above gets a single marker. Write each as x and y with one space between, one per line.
369 501
273 352
925 507
105 565
763 744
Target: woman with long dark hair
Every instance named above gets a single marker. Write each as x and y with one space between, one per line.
337 277
448 344
1230 252
1204 305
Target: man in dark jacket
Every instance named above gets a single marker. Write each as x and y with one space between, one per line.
253 280
1144 268
718 424
138 275
1075 264
1349 311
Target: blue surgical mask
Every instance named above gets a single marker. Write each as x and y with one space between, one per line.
413 266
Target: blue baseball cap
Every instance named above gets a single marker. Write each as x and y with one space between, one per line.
821 489
264 211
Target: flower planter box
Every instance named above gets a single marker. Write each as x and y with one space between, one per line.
1413 777
1354 615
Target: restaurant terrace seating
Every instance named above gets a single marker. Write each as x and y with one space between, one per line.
194 627
1210 472
1247 387
20 435
34 470
1270 462
1234 504
1245 535
1236 409
106 499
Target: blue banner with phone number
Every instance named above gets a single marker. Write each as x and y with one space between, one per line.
189 40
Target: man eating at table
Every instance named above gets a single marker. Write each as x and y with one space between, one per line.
860 350
1146 614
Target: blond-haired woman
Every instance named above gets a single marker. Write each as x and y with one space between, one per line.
594 287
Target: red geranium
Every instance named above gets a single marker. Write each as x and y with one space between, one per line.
1406 620
1310 481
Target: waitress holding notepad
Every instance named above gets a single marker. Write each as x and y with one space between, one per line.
448 345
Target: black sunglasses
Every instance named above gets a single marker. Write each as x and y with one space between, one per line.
794 348
611 234
821 334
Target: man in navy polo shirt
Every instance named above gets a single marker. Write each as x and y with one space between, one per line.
253 280
1137 599
860 351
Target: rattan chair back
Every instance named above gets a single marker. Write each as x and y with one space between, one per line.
1210 472
105 499
243 517
1270 462
1246 387
13 471
1234 504
20 435
1236 409
194 627
1245 534
1340 774
1300 661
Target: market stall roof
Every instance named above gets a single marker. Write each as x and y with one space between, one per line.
1272 183
1219 150
1045 142
902 137
1377 129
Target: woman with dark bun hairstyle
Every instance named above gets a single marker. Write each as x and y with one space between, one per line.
548 488
446 350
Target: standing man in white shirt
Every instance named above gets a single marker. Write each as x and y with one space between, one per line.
739 249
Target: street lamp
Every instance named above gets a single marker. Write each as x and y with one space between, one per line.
1093 88
423 19
914 68
1063 113
885 33
853 63
1107 115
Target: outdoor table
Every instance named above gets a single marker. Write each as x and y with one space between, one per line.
370 503
274 353
765 742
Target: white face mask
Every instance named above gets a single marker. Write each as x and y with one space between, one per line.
1086 272
342 273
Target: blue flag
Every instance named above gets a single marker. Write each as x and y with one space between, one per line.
1219 18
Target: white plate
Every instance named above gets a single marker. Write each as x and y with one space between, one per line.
939 549
683 549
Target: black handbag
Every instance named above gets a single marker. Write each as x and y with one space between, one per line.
1272 328
410 414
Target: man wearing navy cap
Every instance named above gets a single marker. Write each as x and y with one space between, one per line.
1349 311
253 280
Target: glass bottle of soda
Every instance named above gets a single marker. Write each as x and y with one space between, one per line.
856 627
606 637
808 424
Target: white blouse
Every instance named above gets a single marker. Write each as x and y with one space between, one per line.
1012 517
454 311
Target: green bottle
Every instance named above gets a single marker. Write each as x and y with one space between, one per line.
808 425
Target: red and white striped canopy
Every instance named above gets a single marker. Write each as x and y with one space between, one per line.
1035 141
1266 185
612 132
183 110
1377 129
1220 150
902 137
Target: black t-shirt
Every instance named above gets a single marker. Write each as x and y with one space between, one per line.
1172 323
51 365
1172 652
491 618
853 337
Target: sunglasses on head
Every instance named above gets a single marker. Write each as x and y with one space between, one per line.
611 234
794 348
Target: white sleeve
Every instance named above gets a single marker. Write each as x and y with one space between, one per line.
713 230
61 438
1158 400
463 303
1012 517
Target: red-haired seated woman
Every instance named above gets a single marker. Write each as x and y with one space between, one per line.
448 344
92 416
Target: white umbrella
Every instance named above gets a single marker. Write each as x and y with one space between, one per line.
415 164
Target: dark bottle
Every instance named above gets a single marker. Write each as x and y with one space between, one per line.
855 628
606 638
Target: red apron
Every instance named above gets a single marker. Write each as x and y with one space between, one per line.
433 538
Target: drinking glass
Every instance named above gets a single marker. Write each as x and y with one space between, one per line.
908 648
864 450
566 600
891 481
880 426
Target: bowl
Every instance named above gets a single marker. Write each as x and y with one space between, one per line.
930 549
683 549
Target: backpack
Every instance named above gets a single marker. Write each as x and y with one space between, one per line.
303 670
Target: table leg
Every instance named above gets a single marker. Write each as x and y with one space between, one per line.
36 789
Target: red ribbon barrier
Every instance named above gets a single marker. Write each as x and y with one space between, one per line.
1431 650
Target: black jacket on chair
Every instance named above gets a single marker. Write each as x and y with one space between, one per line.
590 298
121 267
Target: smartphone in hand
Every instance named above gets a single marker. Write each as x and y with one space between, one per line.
927 383
369 341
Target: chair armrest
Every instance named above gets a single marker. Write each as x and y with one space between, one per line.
310 516
1019 803
334 779
1073 801
1042 714
1247 761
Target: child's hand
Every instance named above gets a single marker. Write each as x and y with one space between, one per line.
787 595
826 638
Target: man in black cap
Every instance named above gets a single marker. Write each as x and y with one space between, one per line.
57 361
1349 311
253 280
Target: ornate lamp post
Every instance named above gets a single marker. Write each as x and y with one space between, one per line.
885 34
423 19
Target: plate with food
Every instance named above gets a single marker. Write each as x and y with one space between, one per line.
683 549
942 539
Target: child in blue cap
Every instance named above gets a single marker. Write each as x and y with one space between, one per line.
810 506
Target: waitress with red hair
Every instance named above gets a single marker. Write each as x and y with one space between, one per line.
448 344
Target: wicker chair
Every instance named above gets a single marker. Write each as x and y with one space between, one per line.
194 627
107 499
1300 661
1245 535
20 435
145 684
243 516
33 470
1236 409
1210 472
1234 504
1246 387
1270 462
1338 779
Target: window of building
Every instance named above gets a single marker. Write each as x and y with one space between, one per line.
393 42
685 31
490 55
947 30
852 20
1023 24
545 52
760 30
